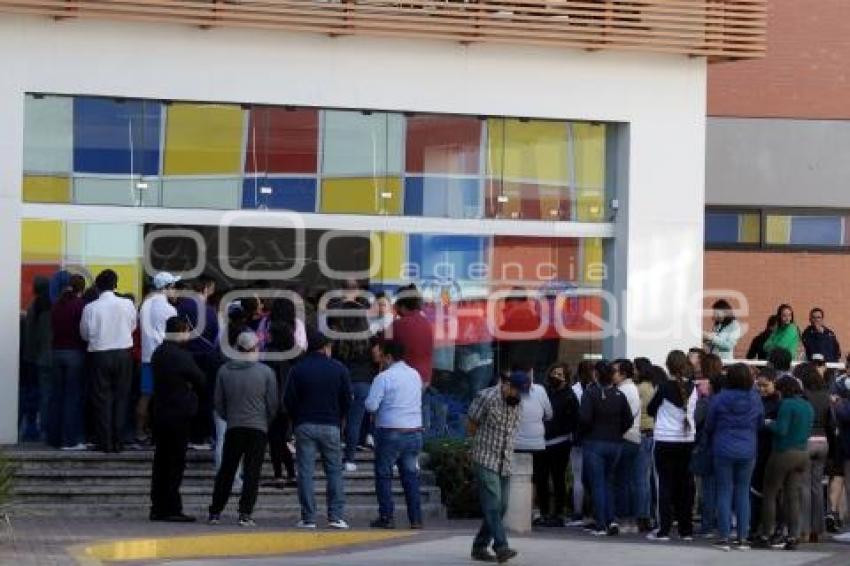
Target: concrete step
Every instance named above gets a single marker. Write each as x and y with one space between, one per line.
127 492
284 515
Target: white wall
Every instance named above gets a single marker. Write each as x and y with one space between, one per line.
662 97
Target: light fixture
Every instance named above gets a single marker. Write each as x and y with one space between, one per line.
141 185
502 198
386 194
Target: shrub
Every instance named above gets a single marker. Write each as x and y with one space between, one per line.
449 459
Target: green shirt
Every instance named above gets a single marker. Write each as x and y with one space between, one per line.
793 425
787 337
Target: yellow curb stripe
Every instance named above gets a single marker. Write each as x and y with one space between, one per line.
223 546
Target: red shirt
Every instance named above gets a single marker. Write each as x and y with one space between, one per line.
65 321
414 332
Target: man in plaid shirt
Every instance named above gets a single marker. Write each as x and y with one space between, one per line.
493 421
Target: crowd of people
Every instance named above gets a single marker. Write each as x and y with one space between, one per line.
647 448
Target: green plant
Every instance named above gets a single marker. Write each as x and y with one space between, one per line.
449 459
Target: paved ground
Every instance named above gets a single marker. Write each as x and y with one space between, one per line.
45 542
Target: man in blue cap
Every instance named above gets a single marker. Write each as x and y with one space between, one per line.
493 421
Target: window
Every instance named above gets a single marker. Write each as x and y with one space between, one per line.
771 228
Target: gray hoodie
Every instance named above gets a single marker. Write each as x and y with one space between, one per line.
246 395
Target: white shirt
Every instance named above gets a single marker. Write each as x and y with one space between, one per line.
108 323
300 334
536 408
396 396
630 390
155 312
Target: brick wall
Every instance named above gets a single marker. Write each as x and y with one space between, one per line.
803 280
805 73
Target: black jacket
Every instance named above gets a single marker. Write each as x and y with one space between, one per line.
565 410
824 343
604 414
177 382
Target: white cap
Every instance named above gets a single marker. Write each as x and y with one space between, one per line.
247 341
164 279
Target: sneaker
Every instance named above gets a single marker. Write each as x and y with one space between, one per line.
599 533
302 524
687 538
831 523
790 544
741 545
576 523
655 536
776 541
722 544
613 530
214 518
483 555
338 524
350 467
370 441
246 521
75 448
382 523
505 554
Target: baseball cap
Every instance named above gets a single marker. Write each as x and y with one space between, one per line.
164 279
520 380
247 341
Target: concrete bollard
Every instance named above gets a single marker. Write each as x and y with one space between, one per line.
518 516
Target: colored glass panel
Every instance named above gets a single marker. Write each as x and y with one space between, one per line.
777 230
442 197
116 136
447 257
41 241
117 192
589 150
527 201
361 196
362 144
103 243
129 276
37 188
527 150
391 256
732 228
282 140
48 134
750 229
443 144
593 266
288 194
201 193
28 274
816 230
203 139
519 260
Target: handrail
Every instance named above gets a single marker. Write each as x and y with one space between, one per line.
716 29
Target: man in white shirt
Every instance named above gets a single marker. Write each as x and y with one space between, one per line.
107 325
396 399
155 311
626 474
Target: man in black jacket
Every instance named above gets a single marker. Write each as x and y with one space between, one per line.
177 383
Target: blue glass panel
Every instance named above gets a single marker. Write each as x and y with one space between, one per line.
816 230
118 137
721 228
290 194
442 197
447 257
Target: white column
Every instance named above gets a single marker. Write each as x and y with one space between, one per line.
11 166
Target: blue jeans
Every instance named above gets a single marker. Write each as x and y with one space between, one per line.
643 478
493 491
626 481
733 479
354 423
65 403
392 446
708 504
324 440
600 463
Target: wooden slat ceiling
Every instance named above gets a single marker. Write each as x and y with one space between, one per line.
716 29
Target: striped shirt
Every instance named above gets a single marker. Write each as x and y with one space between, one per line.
497 425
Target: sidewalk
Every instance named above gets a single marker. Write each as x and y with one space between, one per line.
46 542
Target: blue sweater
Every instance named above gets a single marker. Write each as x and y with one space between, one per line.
318 391
732 424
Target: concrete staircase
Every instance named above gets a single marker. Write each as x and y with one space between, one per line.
51 483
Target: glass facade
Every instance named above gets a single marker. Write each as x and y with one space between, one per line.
777 228
124 152
153 154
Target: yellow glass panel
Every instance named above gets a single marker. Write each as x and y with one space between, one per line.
778 230
589 143
129 277
392 256
749 229
38 188
592 260
362 195
203 139
532 151
590 205
41 241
